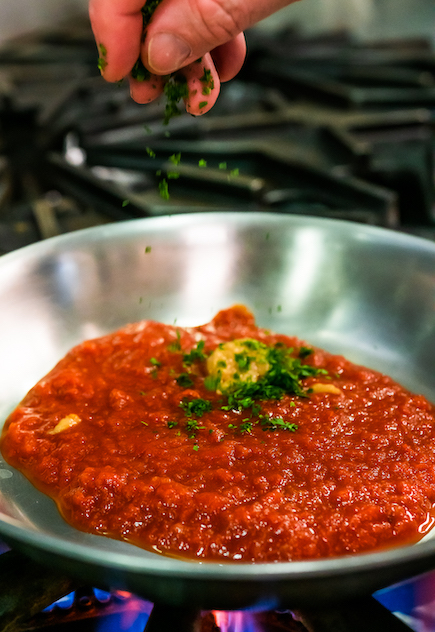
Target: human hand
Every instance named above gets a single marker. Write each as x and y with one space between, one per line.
203 39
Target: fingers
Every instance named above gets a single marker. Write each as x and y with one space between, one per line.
179 33
117 27
147 90
203 85
184 30
229 57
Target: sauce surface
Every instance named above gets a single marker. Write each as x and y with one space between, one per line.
115 435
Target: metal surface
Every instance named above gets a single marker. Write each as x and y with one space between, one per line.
366 292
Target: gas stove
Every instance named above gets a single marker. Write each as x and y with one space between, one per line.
39 599
323 127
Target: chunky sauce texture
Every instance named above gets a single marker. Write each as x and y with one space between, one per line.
112 434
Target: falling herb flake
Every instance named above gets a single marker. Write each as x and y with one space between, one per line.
147 250
175 89
175 158
163 189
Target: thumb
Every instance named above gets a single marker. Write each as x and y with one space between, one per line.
182 31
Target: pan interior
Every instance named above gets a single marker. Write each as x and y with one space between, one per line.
366 293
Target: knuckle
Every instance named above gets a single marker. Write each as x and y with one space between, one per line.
221 19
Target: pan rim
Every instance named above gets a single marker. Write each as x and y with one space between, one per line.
159 564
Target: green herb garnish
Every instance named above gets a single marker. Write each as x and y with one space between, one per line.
175 159
163 189
276 423
195 355
175 89
102 61
304 352
176 345
140 72
184 380
196 407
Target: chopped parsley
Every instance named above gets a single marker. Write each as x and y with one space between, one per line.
163 189
243 361
175 89
208 82
283 373
304 352
102 61
184 380
276 423
148 10
195 355
175 158
140 72
176 345
193 409
211 382
196 407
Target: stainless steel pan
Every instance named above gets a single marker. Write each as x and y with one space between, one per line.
365 292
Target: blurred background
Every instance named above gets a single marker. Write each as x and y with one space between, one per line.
366 18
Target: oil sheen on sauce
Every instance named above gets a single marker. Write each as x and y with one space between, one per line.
181 441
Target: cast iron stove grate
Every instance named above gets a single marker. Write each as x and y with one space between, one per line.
323 127
76 151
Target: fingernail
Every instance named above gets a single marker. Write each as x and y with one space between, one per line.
167 53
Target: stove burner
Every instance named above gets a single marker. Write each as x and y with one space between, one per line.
40 599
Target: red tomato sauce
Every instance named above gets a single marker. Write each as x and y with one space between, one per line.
357 474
